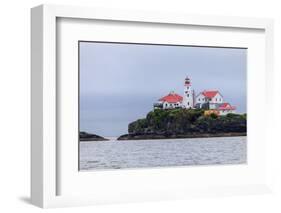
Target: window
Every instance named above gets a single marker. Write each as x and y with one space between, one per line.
187 95
187 103
198 99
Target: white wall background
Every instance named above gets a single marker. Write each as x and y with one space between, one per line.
15 103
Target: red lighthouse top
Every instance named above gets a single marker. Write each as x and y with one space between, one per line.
187 81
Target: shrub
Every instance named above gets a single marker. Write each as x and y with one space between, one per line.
213 115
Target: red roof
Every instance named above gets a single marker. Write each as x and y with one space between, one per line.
210 93
172 98
226 106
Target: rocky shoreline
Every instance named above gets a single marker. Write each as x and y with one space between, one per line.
84 136
197 135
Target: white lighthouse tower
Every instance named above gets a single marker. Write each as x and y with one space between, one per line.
188 96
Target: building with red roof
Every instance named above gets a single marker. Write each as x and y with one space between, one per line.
226 108
170 101
213 96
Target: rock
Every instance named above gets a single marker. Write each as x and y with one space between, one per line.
141 137
84 136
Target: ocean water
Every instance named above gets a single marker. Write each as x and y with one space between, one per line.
115 154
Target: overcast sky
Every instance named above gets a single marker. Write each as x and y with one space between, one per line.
120 82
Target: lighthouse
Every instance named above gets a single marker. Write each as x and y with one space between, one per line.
188 94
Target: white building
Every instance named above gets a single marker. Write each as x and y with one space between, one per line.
170 101
188 96
212 97
208 100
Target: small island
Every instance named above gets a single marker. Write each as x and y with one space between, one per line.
84 136
186 123
189 116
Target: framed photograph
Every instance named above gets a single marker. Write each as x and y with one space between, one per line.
138 109
130 106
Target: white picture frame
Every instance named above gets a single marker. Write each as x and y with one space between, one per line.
45 154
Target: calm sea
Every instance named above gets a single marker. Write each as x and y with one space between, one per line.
159 153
